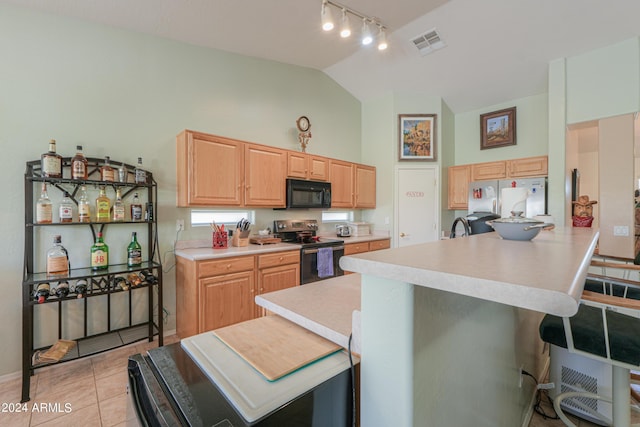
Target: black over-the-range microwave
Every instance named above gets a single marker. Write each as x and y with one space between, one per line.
308 194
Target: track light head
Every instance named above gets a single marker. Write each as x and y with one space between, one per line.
345 30
327 19
367 38
382 40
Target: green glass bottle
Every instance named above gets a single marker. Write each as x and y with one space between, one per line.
134 251
99 254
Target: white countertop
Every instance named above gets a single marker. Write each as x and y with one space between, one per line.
324 308
203 250
546 274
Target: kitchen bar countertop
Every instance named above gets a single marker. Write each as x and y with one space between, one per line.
324 308
546 274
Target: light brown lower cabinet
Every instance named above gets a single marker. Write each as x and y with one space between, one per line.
361 247
211 294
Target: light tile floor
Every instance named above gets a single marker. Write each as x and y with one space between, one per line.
95 390
85 392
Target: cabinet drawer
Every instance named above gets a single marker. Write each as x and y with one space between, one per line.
356 248
224 266
379 244
279 258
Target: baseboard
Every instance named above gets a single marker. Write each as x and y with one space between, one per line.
541 376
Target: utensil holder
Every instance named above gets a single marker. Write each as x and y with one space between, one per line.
236 240
220 239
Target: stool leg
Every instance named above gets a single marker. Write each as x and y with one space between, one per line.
621 397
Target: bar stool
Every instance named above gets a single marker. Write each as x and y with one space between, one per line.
607 329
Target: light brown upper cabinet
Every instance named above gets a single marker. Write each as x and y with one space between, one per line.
210 170
342 185
489 170
307 166
365 196
265 172
459 178
529 166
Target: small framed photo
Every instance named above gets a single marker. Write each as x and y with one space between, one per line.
417 137
498 129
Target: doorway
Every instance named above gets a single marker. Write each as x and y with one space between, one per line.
417 205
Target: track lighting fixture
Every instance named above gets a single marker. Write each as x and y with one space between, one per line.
327 19
345 29
345 26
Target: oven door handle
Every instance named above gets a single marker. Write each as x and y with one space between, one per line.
315 250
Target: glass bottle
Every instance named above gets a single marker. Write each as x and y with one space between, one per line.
79 165
99 254
51 162
136 208
44 207
107 173
62 289
84 207
42 292
148 277
57 259
118 208
140 173
134 251
123 173
80 288
66 208
103 206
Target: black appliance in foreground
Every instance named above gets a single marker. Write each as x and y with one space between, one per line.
475 223
303 194
167 388
313 249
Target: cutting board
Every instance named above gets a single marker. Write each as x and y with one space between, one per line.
275 346
264 240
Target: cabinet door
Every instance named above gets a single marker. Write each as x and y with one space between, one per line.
297 165
356 248
458 194
318 168
365 186
209 170
276 278
490 170
528 166
225 300
342 187
265 174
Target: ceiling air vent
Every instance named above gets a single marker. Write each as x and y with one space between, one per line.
428 42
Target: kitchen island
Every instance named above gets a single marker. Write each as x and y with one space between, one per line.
447 325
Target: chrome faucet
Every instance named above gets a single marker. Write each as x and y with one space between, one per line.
465 223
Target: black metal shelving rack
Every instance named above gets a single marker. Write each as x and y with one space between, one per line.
98 282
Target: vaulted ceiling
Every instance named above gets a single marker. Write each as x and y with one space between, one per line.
496 50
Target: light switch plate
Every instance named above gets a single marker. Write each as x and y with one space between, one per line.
620 230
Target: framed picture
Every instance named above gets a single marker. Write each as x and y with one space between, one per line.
498 129
417 139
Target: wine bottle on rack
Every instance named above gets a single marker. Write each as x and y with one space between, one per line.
44 207
122 173
84 207
140 174
57 259
148 277
80 288
103 206
79 165
62 289
118 208
99 254
66 208
120 283
134 251
136 208
134 279
106 171
51 162
42 292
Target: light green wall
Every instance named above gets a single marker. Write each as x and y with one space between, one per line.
125 95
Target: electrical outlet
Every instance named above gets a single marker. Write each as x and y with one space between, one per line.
179 224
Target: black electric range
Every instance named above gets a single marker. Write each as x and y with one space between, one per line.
314 264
